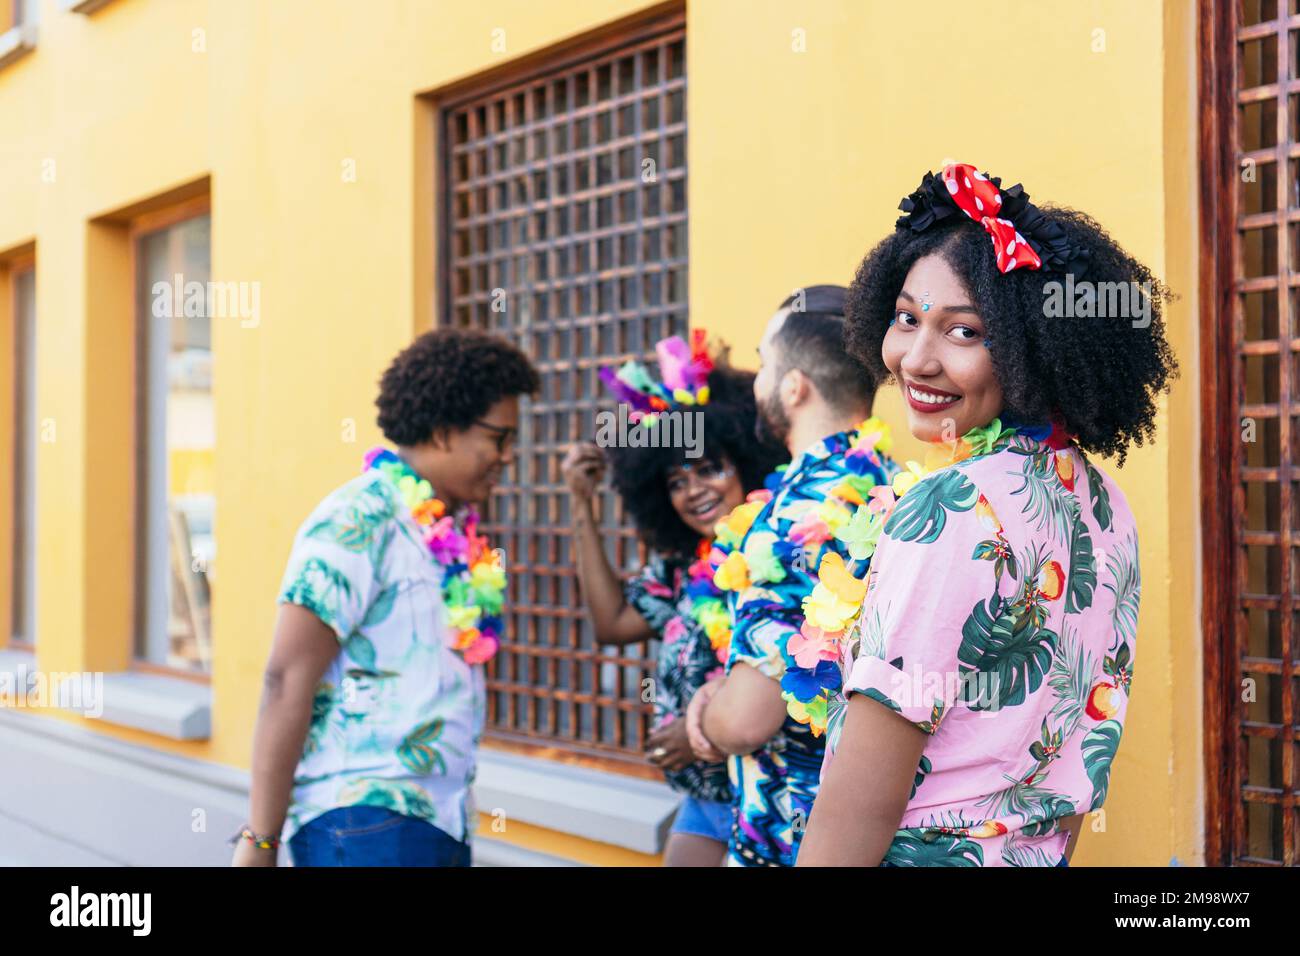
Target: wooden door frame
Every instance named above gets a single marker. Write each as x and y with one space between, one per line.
1218 443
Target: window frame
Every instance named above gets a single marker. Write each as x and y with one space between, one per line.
19 37
138 227
661 23
25 485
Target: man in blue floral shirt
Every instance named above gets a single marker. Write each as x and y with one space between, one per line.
812 396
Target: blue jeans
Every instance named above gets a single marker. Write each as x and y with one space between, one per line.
374 836
704 818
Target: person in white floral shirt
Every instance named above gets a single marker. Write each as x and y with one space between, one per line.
373 701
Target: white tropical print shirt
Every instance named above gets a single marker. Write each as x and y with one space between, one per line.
398 714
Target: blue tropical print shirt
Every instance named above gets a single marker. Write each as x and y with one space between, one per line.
775 785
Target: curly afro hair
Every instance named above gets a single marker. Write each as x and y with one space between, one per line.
447 379
639 474
1098 376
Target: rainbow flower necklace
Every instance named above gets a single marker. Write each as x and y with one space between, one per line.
741 560
474 581
708 604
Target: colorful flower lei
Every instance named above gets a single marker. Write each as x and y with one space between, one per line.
833 608
474 582
741 560
708 605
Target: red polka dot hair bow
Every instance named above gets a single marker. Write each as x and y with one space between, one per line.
981 199
1023 237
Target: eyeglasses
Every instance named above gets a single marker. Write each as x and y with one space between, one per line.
505 434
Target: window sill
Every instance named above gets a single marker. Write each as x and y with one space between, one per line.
16 42
17 663
603 807
167 706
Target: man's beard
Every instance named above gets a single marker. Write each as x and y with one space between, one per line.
772 424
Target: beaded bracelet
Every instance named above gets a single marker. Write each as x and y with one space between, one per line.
261 842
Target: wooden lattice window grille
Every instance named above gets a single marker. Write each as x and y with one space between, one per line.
563 228
1250 263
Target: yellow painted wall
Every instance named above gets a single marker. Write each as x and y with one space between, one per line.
797 161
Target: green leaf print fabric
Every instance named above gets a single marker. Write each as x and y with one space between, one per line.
1000 618
398 714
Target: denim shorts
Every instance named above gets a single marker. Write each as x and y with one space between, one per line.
374 836
705 818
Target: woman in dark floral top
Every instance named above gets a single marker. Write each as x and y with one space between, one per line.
675 496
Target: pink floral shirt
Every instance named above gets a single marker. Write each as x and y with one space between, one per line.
1000 618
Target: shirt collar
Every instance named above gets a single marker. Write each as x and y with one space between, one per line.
822 449
1050 433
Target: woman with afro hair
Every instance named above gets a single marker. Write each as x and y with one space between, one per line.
674 501
987 664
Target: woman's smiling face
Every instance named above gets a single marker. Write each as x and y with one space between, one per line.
935 349
703 492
